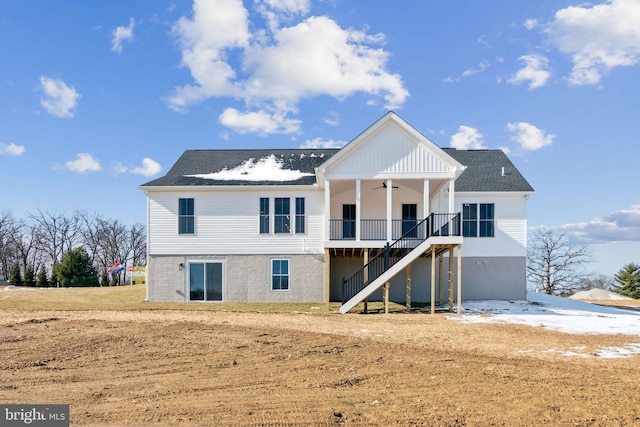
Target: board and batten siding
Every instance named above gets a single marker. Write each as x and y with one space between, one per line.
227 222
510 238
390 151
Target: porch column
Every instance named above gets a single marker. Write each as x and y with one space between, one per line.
425 199
358 195
327 278
459 280
452 189
327 210
389 211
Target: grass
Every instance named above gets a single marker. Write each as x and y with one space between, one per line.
132 298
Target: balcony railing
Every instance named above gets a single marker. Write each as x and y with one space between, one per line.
376 229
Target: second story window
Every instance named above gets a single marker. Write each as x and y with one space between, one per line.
282 217
264 215
186 216
478 220
300 215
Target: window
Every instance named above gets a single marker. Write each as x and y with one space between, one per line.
470 220
264 215
300 215
478 220
186 218
486 220
282 215
279 274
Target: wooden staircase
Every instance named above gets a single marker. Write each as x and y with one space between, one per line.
397 256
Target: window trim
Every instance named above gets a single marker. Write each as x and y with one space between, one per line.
300 216
284 217
264 217
274 275
189 218
478 224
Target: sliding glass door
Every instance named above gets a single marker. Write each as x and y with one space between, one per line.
205 281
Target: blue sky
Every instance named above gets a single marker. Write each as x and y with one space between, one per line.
97 98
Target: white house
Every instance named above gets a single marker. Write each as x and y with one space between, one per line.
389 216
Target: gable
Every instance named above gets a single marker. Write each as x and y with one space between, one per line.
391 148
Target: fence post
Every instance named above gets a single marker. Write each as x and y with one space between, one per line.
344 290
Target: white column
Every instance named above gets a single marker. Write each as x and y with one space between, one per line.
425 199
327 210
389 210
358 195
452 189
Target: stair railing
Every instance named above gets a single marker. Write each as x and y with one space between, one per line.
433 225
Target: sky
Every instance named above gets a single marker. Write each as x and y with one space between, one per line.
98 98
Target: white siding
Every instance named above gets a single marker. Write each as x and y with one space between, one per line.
510 227
227 222
389 152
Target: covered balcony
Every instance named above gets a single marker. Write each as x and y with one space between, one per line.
371 213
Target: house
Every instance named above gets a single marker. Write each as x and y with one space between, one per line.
389 216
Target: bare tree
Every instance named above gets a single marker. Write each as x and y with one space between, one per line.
138 244
8 229
25 242
554 263
57 233
596 281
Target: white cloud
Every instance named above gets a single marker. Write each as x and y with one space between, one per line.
467 138
149 168
11 149
59 99
332 118
536 71
277 11
530 24
84 163
322 143
597 37
528 136
260 122
272 69
618 226
121 34
471 71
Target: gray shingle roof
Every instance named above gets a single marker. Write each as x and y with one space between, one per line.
197 162
484 171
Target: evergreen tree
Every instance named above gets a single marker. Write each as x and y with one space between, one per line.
75 269
29 277
104 278
53 280
41 279
628 278
15 276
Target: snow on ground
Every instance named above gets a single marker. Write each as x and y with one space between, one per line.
559 314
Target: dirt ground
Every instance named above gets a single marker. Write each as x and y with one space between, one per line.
169 368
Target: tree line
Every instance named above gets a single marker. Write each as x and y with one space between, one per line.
555 266
68 248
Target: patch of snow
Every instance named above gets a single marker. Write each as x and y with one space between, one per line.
265 169
551 312
598 294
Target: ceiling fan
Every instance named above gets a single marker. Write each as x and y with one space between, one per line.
384 185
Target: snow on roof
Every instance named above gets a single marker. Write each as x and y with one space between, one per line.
562 315
265 169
